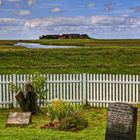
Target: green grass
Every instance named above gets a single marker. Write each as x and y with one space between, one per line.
79 42
95 131
95 56
8 42
88 42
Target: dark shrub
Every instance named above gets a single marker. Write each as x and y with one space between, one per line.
74 122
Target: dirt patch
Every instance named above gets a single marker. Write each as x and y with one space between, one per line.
51 125
97 66
133 65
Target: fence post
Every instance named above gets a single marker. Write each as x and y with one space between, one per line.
15 83
84 89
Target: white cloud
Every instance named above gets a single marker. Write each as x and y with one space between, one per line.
82 24
58 21
55 10
30 2
93 25
1 2
9 21
108 20
23 12
91 5
10 25
14 0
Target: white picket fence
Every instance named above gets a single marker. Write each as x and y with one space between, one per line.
94 89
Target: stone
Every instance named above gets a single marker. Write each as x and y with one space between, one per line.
121 122
19 118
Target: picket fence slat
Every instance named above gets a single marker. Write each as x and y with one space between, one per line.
0 93
96 89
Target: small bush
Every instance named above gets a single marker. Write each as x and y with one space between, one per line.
57 109
65 116
74 122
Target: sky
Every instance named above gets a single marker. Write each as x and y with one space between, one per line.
101 19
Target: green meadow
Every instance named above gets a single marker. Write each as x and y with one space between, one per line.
92 56
95 131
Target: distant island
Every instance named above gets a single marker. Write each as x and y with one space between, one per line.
65 36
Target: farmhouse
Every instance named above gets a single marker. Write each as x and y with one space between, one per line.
65 36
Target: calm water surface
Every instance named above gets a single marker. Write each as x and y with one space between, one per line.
35 45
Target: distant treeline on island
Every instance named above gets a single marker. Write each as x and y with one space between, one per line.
65 36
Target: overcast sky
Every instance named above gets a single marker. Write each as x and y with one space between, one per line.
28 19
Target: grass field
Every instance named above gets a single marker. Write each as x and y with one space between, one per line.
95 131
89 42
95 56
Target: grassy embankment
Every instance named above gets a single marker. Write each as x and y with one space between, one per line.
95 56
95 131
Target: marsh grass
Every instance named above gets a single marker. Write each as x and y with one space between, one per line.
97 56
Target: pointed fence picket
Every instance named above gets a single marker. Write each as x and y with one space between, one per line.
93 89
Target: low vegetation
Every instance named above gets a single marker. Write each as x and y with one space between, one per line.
89 42
75 121
65 116
95 131
96 56
28 95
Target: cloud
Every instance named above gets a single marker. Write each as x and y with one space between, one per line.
10 25
14 0
109 6
95 26
100 23
30 2
58 22
1 2
23 12
91 5
55 10
10 21
136 9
